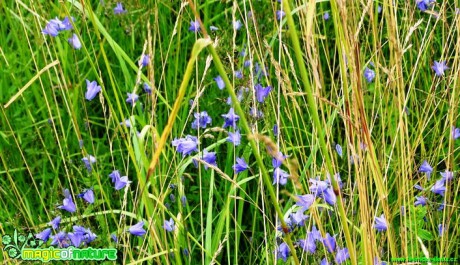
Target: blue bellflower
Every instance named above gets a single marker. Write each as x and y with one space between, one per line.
89 161
381 223
426 168
308 244
137 229
305 201
299 218
338 149
439 67
147 88
87 195
119 9
262 92
326 16
455 133
194 26
369 74
424 5
420 200
220 82
44 235
132 98
342 255
186 145
169 225
280 14
234 138
439 187
120 183
237 25
447 176
55 222
230 119
278 159
68 205
240 165
280 176
202 119
329 243
92 89
75 42
209 157
283 251
145 60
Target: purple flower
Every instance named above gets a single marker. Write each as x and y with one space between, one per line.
278 159
67 24
137 229
194 26
381 223
369 74
305 201
92 89
114 176
238 74
329 196
262 92
147 88
237 25
280 14
44 235
280 176
426 168
202 119
247 63
51 29
145 60
183 200
447 176
209 157
439 67
119 9
324 262
132 98
418 187
68 205
329 243
275 130
234 138
220 82
283 251
337 178
240 165
60 239
441 206
75 238
440 229
127 123
120 183
75 42
439 187
55 222
213 28
424 5
256 113
169 225
89 161
420 200
326 16
308 244
455 133
318 186
114 237
379 9
342 255
230 119
338 149
299 218
87 195
186 145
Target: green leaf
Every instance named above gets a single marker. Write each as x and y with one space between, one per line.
424 234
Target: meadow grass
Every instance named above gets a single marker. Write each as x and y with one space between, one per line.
353 94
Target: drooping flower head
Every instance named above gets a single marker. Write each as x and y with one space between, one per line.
68 205
439 67
120 183
381 223
119 9
220 82
455 133
137 229
326 16
145 60
278 159
424 5
342 255
202 119
147 88
299 218
237 25
420 200
87 195
447 176
89 161
230 119
55 222
338 149
92 89
240 165
234 138
439 187
262 92
44 235
209 157
238 74
280 14
75 42
283 251
329 243
169 225
305 201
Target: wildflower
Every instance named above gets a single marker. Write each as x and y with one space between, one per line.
87 195
420 200
147 88
75 238
212 28
418 187
342 255
239 95
329 243
127 123
441 206
186 145
234 138
299 218
337 178
89 161
283 251
439 187
369 74
318 186
426 168
424 5
238 74
68 205
247 63
172 198
305 201
75 42
220 82
256 113
338 149
237 25
60 239
114 237
119 9
230 119
280 14
381 223
120 183
137 229
44 235
324 262
308 244
114 176
55 222
240 165
89 236
202 119
132 98
447 176
66 24
440 229
326 16
455 133
280 176
194 26
439 67
275 130
262 92
169 225
278 159
145 60
92 89
51 29
208 157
